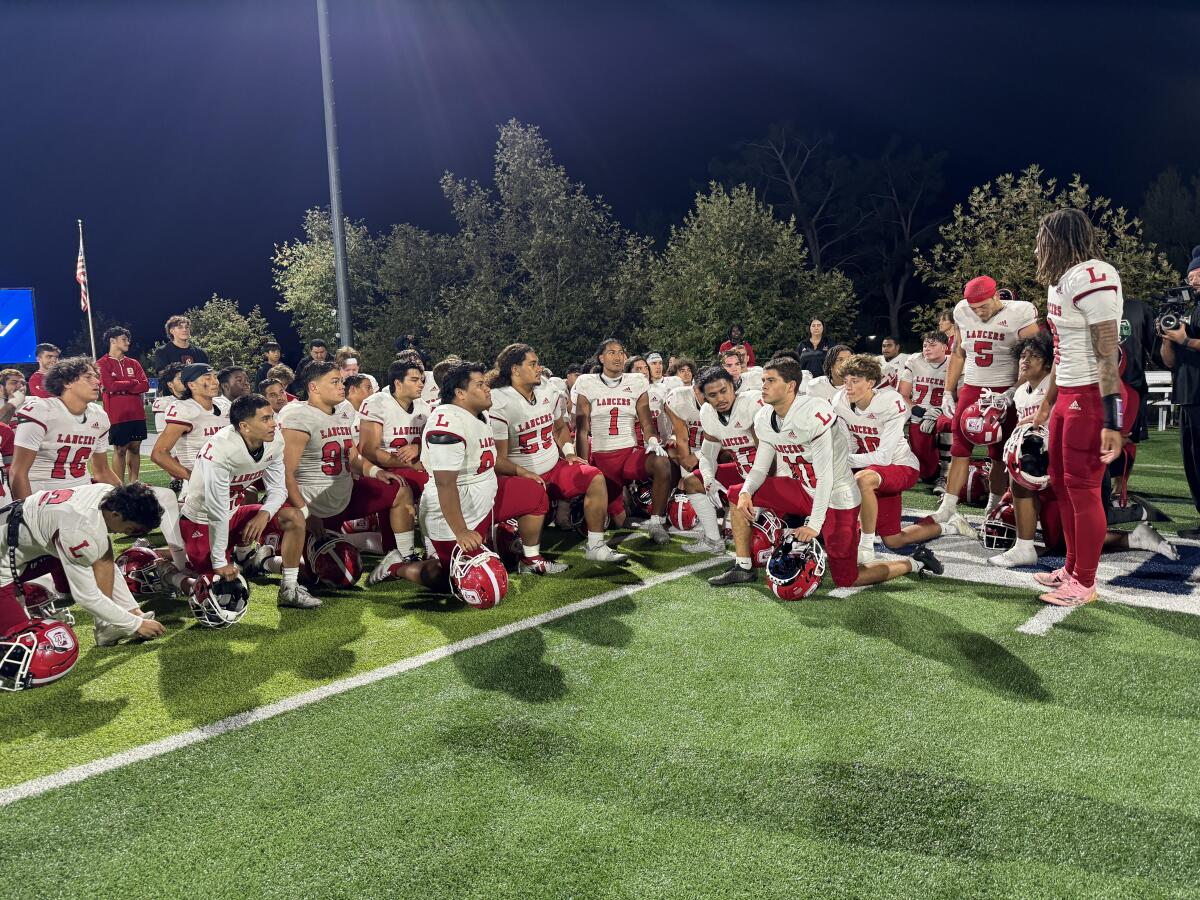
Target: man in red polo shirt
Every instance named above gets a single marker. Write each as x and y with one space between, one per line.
123 384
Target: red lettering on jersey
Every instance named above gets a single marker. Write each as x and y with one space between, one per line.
441 422
1092 275
823 419
77 547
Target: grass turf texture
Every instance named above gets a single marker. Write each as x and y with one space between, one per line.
688 742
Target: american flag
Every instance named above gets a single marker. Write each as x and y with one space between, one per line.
81 277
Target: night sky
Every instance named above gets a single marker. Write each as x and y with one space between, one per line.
189 136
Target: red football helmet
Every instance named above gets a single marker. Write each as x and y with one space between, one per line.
1027 455
217 602
364 525
508 543
643 498
765 535
478 579
978 486
144 570
983 420
795 570
44 602
335 562
1000 527
681 513
38 652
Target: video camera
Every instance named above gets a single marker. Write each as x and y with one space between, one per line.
1175 308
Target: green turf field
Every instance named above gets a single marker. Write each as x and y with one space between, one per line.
678 741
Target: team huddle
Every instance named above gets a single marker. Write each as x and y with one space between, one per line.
802 475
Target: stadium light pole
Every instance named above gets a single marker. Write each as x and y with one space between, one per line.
345 335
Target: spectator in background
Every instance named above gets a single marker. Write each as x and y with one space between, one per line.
234 382
317 350
272 356
123 385
737 341
946 326
179 348
12 391
812 350
685 370
347 360
47 355
1180 351
409 343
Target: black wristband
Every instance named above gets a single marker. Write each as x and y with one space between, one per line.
1113 408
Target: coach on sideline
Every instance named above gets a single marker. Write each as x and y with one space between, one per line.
1181 354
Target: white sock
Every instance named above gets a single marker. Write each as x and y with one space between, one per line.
1025 547
949 502
743 562
290 576
531 551
994 500
916 564
274 565
706 515
178 558
867 540
177 580
595 539
658 520
404 542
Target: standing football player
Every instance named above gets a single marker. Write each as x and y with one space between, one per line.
215 513
321 462
872 420
797 435
987 328
533 441
608 405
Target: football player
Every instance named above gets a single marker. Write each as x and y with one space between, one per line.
726 426
459 450
190 422
215 513
798 436
532 441
13 393
987 328
392 422
923 387
276 393
64 532
321 461
891 362
872 420
608 405
825 386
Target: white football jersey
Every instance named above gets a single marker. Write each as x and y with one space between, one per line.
614 408
431 394
682 401
65 523
1028 398
928 381
892 369
400 426
456 441
160 407
225 459
822 387
735 431
876 435
199 424
323 474
1087 293
791 440
528 427
751 380
989 345
223 404
63 441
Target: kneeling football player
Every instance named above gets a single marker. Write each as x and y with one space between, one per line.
215 514
873 421
798 435
64 533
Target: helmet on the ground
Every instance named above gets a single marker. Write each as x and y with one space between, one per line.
978 485
477 578
1000 526
219 602
336 563
681 513
44 602
765 536
1027 455
35 653
144 570
795 569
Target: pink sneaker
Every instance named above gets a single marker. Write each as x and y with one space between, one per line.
1052 579
1070 593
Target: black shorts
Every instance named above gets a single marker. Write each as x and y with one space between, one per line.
127 432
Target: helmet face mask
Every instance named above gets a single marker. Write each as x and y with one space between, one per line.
42 651
144 571
1000 528
477 579
1027 456
766 534
219 602
795 570
16 656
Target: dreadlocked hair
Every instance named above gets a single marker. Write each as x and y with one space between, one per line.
512 355
1065 238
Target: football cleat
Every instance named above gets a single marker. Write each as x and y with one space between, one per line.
1027 456
252 562
37 652
219 602
1070 593
1052 579
958 524
795 570
387 568
705 546
539 565
604 553
1144 537
930 564
939 486
735 574
658 533
479 579
108 635
297 597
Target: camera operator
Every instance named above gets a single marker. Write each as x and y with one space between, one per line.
1180 349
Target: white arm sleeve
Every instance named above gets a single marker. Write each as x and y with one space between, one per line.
216 508
821 450
276 488
763 460
87 594
710 452
891 433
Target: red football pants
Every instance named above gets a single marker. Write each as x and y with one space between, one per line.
1075 473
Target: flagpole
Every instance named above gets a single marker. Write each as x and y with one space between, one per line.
91 331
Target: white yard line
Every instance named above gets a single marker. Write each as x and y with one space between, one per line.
74 774
1045 619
